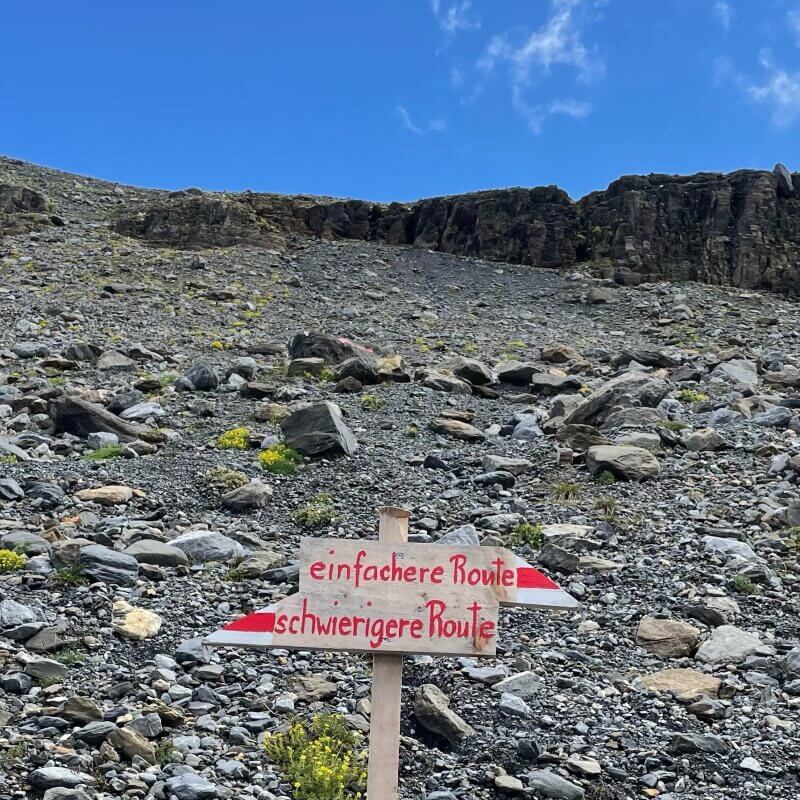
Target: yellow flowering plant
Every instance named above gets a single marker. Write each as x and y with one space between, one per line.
234 439
322 759
11 561
279 459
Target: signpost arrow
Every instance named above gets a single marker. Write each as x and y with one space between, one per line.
389 598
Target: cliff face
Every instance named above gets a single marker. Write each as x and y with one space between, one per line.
740 229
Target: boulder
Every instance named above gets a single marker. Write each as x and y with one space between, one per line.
202 545
457 429
134 623
668 638
331 349
641 389
627 463
151 551
318 430
687 685
727 645
431 708
80 418
101 563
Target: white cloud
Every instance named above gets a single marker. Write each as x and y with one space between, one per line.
793 18
780 92
559 42
537 114
455 17
434 126
723 13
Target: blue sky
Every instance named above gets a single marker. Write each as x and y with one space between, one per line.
399 99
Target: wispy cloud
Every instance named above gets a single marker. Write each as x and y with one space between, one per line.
455 17
434 126
793 18
557 43
780 92
537 114
723 13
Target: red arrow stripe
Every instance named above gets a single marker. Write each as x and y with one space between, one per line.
530 578
258 622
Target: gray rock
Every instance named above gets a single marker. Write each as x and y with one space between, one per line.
642 389
318 430
703 440
730 547
189 786
737 370
49 777
150 551
514 706
143 411
244 498
523 685
101 563
202 546
79 417
628 463
548 784
465 535
431 708
13 614
727 645
201 377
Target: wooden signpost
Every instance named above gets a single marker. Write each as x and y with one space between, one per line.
390 598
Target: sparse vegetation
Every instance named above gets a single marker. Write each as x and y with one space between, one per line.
165 752
321 759
372 402
103 453
606 478
412 431
9 459
607 506
234 439
675 425
691 396
11 561
11 754
69 656
526 535
743 585
566 491
225 479
279 459
317 512
70 576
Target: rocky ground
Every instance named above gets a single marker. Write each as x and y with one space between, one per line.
651 431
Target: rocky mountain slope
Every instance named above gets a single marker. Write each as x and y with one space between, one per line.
637 441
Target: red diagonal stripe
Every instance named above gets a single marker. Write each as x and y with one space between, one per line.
530 578
258 622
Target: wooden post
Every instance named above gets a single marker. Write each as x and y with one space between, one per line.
387 683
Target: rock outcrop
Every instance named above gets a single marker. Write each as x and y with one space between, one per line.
740 229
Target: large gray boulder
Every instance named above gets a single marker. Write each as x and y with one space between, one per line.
318 430
151 551
639 387
627 463
727 645
331 349
202 546
101 563
80 418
